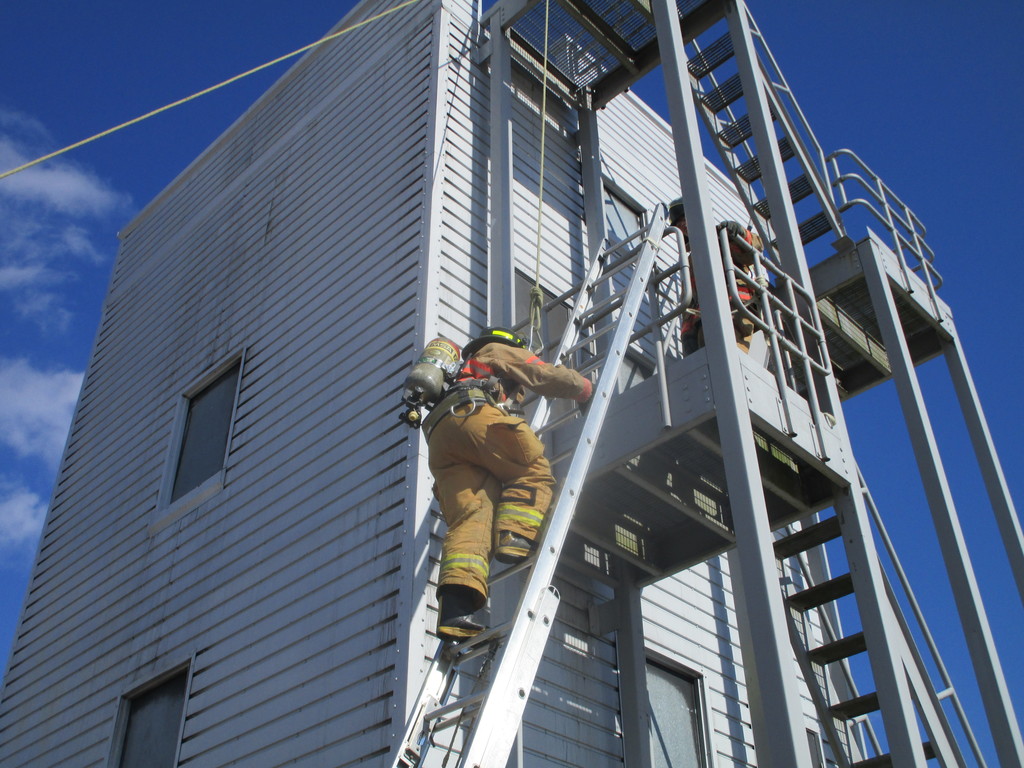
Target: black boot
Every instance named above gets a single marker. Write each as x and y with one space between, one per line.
454 615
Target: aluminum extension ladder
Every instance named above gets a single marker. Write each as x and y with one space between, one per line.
472 700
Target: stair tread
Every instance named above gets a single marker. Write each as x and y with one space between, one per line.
750 171
819 594
721 97
851 708
711 56
842 648
814 227
808 538
885 761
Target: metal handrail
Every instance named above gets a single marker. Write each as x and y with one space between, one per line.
906 230
782 301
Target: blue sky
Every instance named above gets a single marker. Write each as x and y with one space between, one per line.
927 93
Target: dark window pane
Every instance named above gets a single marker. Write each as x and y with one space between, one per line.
817 758
206 433
154 722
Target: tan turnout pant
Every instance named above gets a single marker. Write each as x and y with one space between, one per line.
491 476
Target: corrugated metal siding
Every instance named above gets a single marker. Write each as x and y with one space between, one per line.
284 586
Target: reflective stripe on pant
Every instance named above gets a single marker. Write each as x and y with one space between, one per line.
491 476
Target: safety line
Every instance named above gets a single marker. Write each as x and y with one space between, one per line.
536 294
205 91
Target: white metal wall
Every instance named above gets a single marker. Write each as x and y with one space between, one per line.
297 237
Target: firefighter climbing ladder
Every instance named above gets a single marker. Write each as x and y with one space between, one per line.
491 712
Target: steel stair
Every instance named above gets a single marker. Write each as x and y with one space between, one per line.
719 89
823 651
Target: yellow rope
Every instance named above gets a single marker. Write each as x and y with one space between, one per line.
536 294
205 91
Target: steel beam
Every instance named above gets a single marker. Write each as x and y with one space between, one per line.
890 680
988 460
500 266
776 711
632 659
987 668
593 183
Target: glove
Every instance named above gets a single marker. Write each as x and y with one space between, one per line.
588 390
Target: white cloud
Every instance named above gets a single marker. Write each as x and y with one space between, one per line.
36 408
21 515
22 276
52 216
56 184
45 309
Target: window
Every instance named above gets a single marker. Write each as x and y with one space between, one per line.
152 722
621 218
677 728
204 439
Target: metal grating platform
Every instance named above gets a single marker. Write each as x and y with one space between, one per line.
600 46
852 328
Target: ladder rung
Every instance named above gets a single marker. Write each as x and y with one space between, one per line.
819 594
856 707
468 645
724 95
460 705
711 57
808 538
843 648
599 311
512 570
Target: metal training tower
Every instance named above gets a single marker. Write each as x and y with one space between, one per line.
759 465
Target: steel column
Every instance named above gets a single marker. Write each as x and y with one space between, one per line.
776 710
500 268
987 668
632 659
773 173
890 679
593 184
988 460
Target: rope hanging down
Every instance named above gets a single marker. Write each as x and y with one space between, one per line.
205 91
536 294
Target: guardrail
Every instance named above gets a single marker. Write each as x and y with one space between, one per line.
905 230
